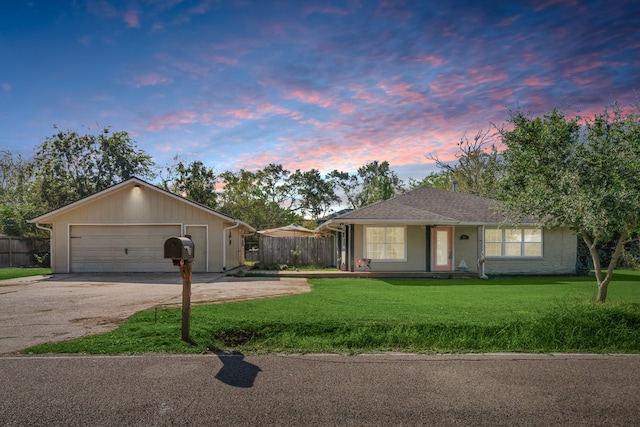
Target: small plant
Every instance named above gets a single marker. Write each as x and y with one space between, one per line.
295 254
42 260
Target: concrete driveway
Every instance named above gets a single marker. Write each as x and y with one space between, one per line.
41 309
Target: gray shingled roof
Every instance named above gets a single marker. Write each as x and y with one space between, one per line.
429 205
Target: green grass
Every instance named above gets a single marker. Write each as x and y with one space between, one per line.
14 273
532 314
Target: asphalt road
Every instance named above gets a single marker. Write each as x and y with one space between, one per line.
321 390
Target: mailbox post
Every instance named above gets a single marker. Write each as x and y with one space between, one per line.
180 250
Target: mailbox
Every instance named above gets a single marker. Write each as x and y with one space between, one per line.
177 248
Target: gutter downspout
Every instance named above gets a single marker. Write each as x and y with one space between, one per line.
224 244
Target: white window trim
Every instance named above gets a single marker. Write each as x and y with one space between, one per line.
364 245
522 242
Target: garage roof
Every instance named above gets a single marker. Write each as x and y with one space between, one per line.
49 216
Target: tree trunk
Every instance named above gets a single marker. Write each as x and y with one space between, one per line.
603 282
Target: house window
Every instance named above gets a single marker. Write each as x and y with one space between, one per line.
385 243
513 242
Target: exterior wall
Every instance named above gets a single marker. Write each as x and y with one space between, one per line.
559 257
559 253
132 205
416 250
465 249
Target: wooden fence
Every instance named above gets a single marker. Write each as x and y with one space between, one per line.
297 251
19 251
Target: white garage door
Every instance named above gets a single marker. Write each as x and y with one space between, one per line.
120 249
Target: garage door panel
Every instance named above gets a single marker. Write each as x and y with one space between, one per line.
120 248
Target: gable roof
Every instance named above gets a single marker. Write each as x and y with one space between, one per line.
47 217
425 206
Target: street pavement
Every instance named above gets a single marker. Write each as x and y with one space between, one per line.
321 390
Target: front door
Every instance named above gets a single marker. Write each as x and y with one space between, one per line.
441 250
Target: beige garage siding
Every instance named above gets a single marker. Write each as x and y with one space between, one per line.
120 248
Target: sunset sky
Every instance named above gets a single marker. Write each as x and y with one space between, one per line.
308 84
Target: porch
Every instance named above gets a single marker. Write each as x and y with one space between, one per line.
309 274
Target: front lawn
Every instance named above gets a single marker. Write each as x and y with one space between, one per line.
14 273
533 314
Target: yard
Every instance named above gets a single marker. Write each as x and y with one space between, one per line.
14 273
524 314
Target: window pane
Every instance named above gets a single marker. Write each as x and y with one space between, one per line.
492 235
513 235
493 249
395 235
532 235
512 249
533 249
375 234
375 251
395 251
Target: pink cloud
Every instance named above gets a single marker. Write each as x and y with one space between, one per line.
309 97
132 19
151 79
241 114
346 108
434 60
545 4
507 21
157 27
173 120
537 81
490 73
225 60
6 87
403 90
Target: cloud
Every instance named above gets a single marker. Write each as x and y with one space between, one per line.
85 41
6 87
173 120
150 79
131 18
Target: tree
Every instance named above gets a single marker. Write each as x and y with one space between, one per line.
69 166
243 197
478 165
348 184
194 181
316 194
379 183
441 180
17 203
585 177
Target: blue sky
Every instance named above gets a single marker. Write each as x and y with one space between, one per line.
308 84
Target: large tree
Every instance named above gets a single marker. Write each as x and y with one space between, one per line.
477 165
581 174
316 194
17 203
69 166
194 181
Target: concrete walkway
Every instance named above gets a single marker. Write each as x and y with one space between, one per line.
41 309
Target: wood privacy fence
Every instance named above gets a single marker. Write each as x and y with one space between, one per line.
297 251
19 251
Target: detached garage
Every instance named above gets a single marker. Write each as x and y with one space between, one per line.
123 228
